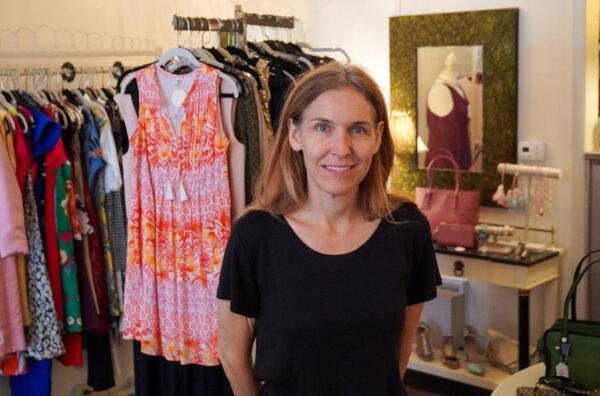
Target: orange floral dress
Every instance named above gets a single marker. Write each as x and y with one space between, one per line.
179 222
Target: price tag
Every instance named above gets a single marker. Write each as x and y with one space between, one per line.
178 97
562 370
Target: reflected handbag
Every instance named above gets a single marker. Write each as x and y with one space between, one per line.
571 348
455 235
447 206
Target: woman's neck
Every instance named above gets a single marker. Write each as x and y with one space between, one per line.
448 76
331 210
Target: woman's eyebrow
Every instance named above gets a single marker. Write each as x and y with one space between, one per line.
360 123
321 120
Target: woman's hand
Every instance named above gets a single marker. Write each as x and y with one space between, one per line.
411 322
236 336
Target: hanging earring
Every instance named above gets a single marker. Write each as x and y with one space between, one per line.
538 189
515 197
499 196
547 202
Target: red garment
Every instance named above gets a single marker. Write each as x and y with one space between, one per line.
450 134
27 146
74 350
55 158
23 155
97 261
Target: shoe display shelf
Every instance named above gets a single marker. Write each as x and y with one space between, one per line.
492 377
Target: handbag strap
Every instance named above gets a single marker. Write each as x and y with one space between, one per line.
570 294
577 270
457 176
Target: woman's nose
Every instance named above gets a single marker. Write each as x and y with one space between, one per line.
341 144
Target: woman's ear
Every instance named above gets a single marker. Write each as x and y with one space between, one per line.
294 135
378 134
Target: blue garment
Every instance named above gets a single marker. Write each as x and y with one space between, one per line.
90 146
45 133
37 381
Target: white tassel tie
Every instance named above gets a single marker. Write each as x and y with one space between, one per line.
169 192
181 194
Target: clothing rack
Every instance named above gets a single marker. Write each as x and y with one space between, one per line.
67 72
275 21
94 45
238 26
529 171
199 24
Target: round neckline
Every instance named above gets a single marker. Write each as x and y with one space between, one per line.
314 252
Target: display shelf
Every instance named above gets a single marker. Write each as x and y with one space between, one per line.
493 376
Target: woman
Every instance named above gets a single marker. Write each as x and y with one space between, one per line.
327 271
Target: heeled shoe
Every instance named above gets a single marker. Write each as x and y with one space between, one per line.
423 345
449 358
469 342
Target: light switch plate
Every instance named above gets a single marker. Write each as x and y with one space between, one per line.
532 150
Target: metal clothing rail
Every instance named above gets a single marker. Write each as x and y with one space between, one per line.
274 21
269 20
199 24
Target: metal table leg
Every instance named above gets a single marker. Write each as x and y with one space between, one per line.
523 329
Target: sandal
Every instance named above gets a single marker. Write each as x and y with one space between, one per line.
469 342
423 345
449 358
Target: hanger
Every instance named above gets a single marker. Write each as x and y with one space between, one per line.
190 59
228 57
8 118
11 107
325 49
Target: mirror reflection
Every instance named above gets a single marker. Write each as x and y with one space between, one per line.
450 106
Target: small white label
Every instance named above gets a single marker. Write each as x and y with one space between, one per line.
178 97
562 370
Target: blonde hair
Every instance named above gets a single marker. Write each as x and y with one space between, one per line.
281 186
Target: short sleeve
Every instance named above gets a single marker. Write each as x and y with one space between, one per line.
424 275
238 282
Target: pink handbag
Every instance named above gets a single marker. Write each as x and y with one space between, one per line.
447 206
455 235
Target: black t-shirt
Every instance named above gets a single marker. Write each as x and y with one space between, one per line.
328 324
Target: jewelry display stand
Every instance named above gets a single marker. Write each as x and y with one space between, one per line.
529 172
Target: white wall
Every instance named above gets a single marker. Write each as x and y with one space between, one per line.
550 108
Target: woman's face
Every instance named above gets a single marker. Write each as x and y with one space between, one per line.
338 137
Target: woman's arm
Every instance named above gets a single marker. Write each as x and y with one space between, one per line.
411 322
236 335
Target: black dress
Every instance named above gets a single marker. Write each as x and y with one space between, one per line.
328 324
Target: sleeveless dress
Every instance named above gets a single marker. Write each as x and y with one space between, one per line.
179 222
450 134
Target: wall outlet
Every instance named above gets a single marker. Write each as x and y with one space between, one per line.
532 150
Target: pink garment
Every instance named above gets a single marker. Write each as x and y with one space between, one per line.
179 222
130 118
13 241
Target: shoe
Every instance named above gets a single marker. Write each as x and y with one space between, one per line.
469 342
449 358
423 345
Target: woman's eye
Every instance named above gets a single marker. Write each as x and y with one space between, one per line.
321 127
358 130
